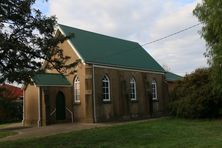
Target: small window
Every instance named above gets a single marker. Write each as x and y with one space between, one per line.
106 88
154 90
132 89
76 90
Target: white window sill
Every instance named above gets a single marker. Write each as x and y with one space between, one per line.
77 102
106 100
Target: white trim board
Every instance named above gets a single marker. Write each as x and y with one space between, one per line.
72 46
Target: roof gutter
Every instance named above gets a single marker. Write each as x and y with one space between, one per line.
53 85
124 68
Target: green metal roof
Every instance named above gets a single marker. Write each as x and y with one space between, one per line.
109 51
50 79
172 77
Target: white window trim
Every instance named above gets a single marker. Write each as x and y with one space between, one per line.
132 80
74 89
155 86
108 81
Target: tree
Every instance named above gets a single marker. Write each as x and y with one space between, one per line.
26 40
193 96
210 14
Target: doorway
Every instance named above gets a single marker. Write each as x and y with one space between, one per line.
60 106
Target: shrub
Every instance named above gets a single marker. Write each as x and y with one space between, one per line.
10 111
193 97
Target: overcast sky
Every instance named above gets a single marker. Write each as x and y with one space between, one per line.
141 21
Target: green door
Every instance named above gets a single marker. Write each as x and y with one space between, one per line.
60 106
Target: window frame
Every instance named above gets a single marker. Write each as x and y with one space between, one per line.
106 87
133 93
154 90
76 91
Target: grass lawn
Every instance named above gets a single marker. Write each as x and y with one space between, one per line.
164 132
5 133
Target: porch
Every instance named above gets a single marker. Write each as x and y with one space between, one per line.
54 99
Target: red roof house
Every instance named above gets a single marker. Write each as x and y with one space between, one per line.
10 92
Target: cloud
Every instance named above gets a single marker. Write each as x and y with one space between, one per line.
142 21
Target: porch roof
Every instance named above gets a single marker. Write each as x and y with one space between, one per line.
50 79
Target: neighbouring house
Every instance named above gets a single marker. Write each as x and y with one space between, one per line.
10 102
10 92
171 79
115 80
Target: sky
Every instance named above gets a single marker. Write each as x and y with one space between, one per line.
141 21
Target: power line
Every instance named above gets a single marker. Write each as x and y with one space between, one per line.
154 41
162 38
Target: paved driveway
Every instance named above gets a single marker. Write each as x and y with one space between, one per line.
32 132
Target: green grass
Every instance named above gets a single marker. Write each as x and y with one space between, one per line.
6 133
165 132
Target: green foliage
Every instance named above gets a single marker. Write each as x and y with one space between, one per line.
210 14
26 40
193 97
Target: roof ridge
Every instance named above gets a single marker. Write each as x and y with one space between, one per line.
98 33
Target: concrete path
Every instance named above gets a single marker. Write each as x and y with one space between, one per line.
33 132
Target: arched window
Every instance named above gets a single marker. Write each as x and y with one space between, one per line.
132 89
106 88
154 90
76 89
